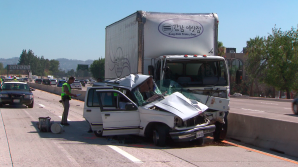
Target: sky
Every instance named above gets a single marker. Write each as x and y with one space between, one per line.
75 29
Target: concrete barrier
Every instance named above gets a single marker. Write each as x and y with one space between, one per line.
57 90
277 135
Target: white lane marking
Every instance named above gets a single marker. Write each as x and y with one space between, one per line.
269 103
42 105
67 119
124 153
28 114
69 157
252 110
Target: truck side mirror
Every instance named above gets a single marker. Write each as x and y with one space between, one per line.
238 76
130 106
151 70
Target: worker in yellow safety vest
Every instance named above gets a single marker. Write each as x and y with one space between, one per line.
65 97
15 79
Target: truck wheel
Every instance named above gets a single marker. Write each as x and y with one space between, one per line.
295 108
220 131
98 134
159 135
31 105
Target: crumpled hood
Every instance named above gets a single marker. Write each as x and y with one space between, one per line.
181 106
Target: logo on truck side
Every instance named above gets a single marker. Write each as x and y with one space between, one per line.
181 28
119 62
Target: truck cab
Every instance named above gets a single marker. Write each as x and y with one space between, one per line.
135 105
199 77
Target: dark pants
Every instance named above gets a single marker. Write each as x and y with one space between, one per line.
65 104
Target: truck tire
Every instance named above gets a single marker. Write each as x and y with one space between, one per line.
295 107
98 134
159 135
220 131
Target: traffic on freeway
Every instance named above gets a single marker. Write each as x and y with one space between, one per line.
22 143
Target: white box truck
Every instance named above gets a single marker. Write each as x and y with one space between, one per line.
180 51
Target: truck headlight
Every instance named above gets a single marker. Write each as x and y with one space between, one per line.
28 96
3 95
222 94
178 121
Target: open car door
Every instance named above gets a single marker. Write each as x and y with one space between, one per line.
119 114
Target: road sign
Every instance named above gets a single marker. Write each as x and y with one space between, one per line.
18 67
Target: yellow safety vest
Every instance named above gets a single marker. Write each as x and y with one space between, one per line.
69 90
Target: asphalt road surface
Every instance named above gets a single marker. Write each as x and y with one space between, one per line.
22 144
280 110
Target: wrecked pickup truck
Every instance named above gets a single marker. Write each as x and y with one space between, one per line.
135 105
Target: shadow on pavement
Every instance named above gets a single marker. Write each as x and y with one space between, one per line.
292 115
13 106
78 131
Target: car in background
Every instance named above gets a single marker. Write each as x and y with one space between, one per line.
60 83
16 93
8 79
38 81
295 106
53 81
46 81
83 82
76 85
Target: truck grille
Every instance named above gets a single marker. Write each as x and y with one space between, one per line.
15 95
200 119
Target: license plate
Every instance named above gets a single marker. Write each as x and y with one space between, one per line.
200 134
16 100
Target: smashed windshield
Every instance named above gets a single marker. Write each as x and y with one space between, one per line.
168 87
146 92
197 72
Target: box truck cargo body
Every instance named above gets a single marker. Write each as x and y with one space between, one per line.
179 50
134 41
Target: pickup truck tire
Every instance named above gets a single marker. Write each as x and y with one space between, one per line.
159 135
220 131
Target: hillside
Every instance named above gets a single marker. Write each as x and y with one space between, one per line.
65 64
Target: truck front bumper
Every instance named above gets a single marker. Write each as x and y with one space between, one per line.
192 134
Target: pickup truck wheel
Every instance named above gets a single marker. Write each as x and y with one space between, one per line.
159 136
98 134
220 131
295 108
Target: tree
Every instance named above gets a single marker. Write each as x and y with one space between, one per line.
281 71
221 49
273 60
97 68
256 52
38 65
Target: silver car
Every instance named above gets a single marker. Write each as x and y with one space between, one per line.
76 85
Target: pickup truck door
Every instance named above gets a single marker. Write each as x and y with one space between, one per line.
119 114
92 111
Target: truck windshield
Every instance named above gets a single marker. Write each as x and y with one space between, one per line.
146 93
197 72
